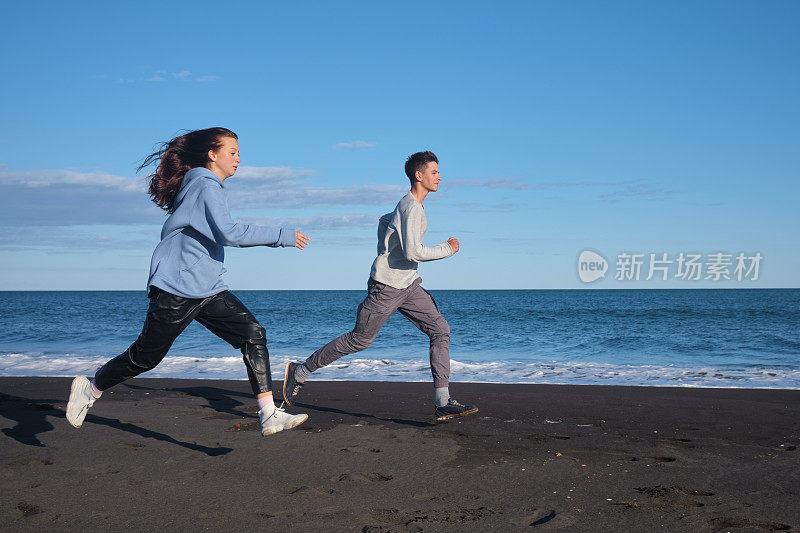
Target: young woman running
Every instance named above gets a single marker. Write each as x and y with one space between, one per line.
185 281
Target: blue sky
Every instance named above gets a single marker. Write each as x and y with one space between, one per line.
617 127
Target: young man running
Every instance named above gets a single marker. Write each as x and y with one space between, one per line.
394 285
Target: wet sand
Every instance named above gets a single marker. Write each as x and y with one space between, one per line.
187 455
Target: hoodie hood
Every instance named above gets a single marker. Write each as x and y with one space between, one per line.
193 178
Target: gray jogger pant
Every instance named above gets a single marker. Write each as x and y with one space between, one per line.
416 304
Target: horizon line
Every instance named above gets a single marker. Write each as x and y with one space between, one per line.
434 289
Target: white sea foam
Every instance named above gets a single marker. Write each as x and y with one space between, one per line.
554 372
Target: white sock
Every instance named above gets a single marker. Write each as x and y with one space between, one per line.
265 401
301 373
95 391
442 396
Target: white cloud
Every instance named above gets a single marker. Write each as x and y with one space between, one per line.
615 190
44 178
583 184
644 190
354 145
324 222
254 187
272 174
74 239
159 75
291 195
183 75
632 188
69 198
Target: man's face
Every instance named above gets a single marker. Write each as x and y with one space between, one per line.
429 177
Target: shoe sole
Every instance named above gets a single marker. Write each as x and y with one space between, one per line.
272 431
286 373
75 383
459 415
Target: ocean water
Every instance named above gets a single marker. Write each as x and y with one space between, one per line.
696 338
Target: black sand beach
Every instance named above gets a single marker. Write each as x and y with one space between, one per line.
168 454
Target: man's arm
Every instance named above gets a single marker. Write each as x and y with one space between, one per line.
411 242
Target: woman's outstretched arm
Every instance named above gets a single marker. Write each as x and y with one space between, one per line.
229 232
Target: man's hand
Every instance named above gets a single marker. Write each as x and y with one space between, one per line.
301 241
453 244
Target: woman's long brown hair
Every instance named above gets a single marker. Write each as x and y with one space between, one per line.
175 158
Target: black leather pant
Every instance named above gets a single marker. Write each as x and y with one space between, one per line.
168 315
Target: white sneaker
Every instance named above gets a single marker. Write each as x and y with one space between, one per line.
278 420
80 400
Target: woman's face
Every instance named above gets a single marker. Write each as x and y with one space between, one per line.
225 160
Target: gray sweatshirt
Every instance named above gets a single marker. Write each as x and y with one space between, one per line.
400 244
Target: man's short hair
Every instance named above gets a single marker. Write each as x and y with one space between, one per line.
417 162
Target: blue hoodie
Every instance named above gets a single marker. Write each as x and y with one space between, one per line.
188 260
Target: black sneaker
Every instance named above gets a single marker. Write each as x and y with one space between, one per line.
453 409
291 387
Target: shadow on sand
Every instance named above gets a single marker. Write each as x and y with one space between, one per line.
401 421
226 401
220 400
31 417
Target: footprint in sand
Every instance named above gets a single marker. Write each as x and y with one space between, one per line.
678 442
661 490
132 444
662 459
360 449
446 497
667 497
544 437
27 509
30 461
359 477
547 517
289 491
544 519
415 518
721 523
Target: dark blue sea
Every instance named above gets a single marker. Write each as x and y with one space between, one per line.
694 338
